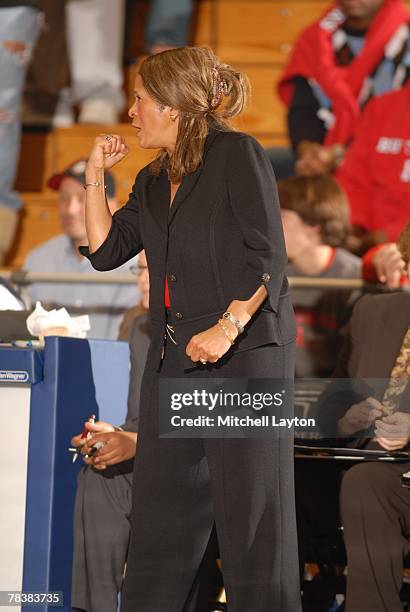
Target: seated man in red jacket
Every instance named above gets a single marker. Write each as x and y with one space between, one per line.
356 51
376 172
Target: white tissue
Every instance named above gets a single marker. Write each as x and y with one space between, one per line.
40 320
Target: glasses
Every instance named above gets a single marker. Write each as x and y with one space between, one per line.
138 269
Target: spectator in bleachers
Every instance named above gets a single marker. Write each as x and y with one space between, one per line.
42 88
315 222
376 170
95 35
82 44
354 52
95 52
375 507
104 303
18 30
318 515
83 47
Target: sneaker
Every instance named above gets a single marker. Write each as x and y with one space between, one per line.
98 110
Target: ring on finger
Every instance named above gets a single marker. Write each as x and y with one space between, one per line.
203 361
109 138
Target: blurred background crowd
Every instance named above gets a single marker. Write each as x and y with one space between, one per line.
330 104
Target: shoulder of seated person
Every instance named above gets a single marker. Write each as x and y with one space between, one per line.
51 245
384 303
352 262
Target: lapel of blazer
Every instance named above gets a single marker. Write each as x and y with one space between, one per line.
190 180
188 183
160 193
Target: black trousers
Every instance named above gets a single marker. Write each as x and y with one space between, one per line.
101 531
181 486
376 518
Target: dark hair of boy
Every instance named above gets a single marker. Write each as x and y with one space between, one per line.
318 200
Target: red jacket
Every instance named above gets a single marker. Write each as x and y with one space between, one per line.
376 170
314 58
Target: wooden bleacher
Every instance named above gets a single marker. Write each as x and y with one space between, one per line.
256 36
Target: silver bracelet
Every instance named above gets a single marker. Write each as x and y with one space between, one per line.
229 316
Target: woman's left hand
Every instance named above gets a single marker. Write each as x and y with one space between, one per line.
210 344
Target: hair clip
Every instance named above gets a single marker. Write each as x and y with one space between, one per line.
224 87
219 87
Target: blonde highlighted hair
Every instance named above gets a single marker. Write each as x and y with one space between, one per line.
206 93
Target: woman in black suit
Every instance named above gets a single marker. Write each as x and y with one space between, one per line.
206 212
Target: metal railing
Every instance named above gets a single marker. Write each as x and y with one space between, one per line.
23 278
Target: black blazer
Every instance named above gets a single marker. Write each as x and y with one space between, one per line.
376 333
221 239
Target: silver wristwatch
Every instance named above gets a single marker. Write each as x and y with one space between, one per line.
228 315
